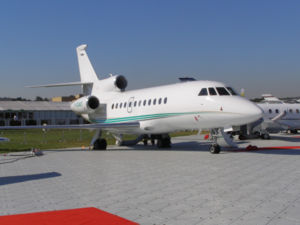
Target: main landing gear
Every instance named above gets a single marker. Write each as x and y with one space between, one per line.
97 142
162 140
100 144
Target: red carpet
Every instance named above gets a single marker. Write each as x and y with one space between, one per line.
254 148
86 216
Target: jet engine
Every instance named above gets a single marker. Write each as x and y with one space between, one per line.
113 83
85 105
121 82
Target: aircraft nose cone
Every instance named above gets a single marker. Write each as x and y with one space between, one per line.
253 112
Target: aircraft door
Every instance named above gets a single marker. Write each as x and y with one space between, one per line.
130 104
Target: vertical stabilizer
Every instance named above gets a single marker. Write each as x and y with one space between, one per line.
87 72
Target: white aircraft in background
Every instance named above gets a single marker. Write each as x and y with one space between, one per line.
154 111
278 115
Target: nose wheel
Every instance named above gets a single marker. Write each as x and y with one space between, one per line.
215 149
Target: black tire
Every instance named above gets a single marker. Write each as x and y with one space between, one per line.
164 143
265 136
100 144
242 137
214 149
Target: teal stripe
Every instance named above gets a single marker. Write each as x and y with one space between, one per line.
146 117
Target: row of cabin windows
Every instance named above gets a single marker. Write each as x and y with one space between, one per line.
215 91
290 110
140 103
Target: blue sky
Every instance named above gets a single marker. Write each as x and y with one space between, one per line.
247 44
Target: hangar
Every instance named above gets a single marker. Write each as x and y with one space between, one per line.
21 113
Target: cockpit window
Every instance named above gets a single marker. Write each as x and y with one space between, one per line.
222 91
203 92
212 91
230 89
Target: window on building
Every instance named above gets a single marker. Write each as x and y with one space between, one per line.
203 92
222 91
165 100
212 91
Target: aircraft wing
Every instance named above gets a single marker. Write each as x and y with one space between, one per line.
105 126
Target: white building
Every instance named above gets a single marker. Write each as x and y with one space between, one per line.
16 113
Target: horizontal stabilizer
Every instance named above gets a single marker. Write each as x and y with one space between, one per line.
61 84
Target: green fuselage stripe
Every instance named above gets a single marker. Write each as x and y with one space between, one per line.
146 117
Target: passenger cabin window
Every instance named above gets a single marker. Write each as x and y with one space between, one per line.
276 110
297 110
140 102
165 100
116 105
149 102
203 92
154 101
231 91
125 104
291 111
135 104
222 91
212 91
112 106
159 101
270 110
144 102
121 105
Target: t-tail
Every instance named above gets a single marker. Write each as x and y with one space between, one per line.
88 75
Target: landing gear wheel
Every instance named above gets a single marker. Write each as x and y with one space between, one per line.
242 137
265 136
100 144
214 149
164 143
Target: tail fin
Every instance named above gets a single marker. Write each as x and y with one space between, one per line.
87 72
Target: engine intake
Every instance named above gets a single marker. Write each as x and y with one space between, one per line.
85 105
121 82
93 102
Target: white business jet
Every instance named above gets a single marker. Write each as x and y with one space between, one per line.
278 115
154 111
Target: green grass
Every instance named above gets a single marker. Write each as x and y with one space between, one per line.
24 140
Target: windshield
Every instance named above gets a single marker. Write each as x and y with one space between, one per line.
222 91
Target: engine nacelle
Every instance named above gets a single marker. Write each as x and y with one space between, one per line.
121 82
85 105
